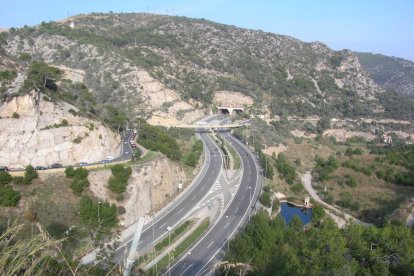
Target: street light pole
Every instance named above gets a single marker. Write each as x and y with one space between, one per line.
169 249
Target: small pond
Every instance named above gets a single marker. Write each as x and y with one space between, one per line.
289 211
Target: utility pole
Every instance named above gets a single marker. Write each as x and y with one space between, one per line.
169 249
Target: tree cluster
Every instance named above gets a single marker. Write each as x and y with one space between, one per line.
157 139
100 216
324 168
322 248
285 169
41 77
402 155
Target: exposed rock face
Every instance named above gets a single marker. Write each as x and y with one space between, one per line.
232 99
133 87
150 186
32 139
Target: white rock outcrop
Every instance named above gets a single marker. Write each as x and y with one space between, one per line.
32 139
150 187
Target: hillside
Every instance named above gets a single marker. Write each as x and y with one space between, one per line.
42 133
390 72
169 69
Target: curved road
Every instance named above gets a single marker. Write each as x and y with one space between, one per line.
202 256
175 213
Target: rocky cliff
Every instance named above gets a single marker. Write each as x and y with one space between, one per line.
150 187
38 132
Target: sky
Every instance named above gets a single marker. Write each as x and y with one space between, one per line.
380 26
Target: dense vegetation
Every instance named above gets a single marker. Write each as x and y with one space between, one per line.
41 77
79 179
192 158
322 249
157 139
402 155
391 73
286 170
324 168
99 217
8 197
119 179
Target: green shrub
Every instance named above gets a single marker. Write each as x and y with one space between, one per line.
286 170
78 185
265 199
317 213
5 178
18 180
29 175
77 140
25 57
8 197
297 188
346 201
119 179
324 168
380 174
15 115
79 179
266 189
192 158
70 172
276 204
350 181
95 214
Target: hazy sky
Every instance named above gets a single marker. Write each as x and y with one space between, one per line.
381 26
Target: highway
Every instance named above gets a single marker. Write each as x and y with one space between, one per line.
174 214
202 256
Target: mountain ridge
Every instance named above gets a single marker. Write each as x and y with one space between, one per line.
194 58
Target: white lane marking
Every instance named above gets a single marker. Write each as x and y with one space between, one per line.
210 244
179 211
163 224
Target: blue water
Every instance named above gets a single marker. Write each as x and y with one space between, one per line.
289 211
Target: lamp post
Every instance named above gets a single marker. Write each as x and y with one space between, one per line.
169 248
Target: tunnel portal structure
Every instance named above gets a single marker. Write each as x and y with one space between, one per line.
230 110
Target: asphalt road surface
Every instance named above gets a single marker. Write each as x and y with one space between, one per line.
173 215
200 258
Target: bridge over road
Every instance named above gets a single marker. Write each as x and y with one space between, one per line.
209 126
